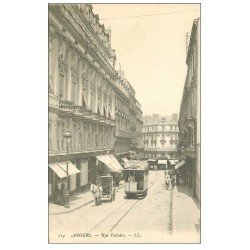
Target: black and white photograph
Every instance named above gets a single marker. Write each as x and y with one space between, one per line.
124 123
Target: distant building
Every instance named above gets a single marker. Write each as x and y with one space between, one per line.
160 137
175 117
189 118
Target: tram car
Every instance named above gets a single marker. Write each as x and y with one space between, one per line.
136 179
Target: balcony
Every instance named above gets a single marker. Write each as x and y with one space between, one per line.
145 141
95 117
102 119
87 114
112 122
78 110
66 106
163 140
81 111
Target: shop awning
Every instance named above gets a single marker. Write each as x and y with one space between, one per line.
180 164
162 161
116 164
151 160
124 159
60 169
107 161
172 162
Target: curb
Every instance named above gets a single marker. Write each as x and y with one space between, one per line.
76 208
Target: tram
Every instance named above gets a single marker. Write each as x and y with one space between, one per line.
136 179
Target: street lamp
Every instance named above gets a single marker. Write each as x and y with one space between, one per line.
67 135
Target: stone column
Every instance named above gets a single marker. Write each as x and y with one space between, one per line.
55 62
80 83
90 96
95 93
69 80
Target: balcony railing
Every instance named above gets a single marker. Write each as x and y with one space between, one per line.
66 106
78 110
87 113
95 117
112 122
102 119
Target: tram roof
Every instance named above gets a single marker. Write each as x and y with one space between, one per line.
136 165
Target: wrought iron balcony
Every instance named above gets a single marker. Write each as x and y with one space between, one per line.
95 117
102 119
87 114
66 106
112 122
78 110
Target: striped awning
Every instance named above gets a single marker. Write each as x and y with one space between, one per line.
180 164
124 159
117 166
60 168
111 162
106 160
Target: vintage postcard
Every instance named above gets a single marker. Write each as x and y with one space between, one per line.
124 123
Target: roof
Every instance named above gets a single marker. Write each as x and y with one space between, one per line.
136 165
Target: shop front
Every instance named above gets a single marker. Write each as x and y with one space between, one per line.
58 177
109 165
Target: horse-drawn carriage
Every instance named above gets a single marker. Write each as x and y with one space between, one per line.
104 189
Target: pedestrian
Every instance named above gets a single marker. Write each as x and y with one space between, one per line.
172 181
57 194
62 194
96 191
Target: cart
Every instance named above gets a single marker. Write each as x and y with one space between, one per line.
107 188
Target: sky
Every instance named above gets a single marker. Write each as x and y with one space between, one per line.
151 50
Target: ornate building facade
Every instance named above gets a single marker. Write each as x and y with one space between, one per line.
84 94
160 136
189 117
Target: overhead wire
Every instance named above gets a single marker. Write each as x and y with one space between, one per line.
147 15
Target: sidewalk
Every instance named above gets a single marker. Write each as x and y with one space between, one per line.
186 215
76 202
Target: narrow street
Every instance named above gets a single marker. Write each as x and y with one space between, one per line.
126 220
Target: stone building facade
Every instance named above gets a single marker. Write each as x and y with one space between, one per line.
160 136
84 94
189 117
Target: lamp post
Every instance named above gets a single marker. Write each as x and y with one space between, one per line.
67 135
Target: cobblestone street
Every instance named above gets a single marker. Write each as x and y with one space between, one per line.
163 212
